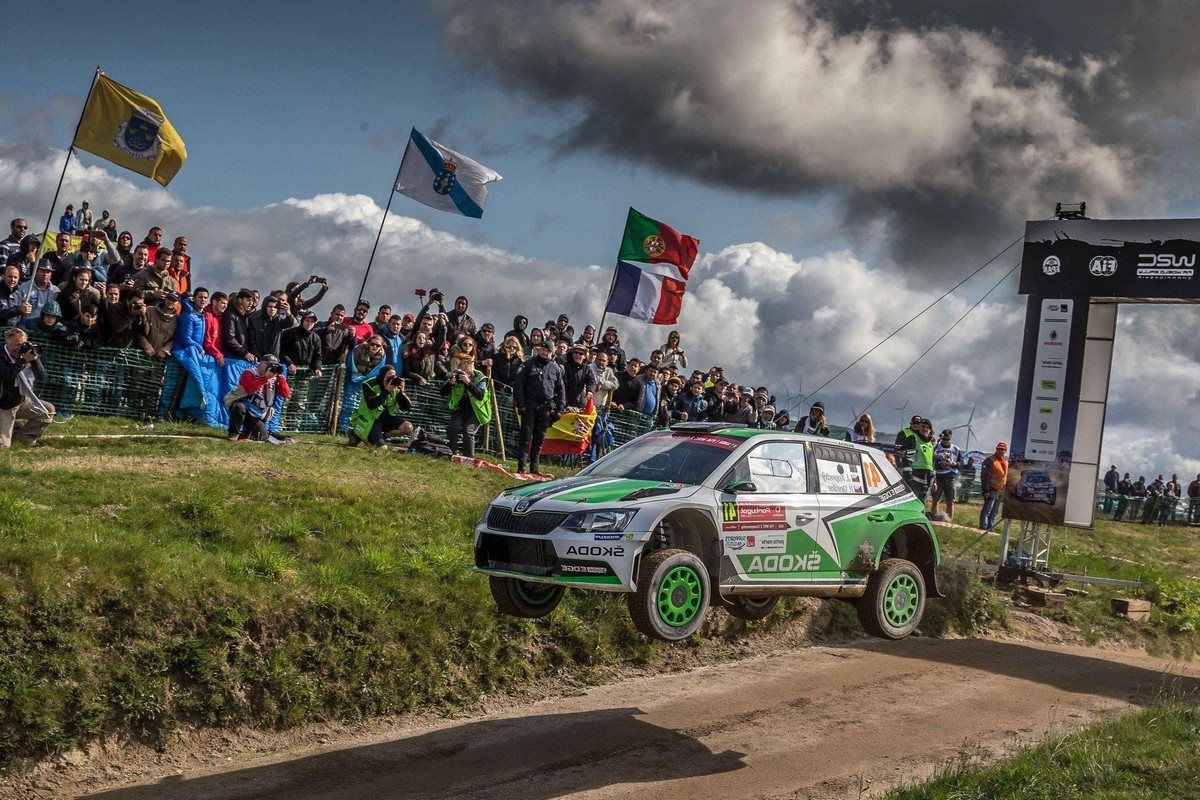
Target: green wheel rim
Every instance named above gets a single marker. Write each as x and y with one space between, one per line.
901 599
535 594
679 596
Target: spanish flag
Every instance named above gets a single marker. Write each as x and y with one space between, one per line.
572 433
130 130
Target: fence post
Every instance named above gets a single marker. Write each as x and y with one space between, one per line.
496 414
335 408
487 431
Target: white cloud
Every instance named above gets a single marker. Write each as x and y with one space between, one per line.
767 316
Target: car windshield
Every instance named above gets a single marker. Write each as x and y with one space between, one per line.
665 457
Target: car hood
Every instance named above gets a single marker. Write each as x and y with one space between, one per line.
593 490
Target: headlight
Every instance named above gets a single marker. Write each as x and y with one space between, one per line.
598 521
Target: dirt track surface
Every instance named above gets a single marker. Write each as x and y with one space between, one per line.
822 722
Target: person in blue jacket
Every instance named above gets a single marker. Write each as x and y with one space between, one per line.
190 331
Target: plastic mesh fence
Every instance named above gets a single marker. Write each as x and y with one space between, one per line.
106 381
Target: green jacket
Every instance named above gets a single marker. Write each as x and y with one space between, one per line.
375 401
482 406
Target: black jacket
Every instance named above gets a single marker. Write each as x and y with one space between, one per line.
235 334
10 368
579 380
630 392
537 383
504 369
265 332
336 341
301 348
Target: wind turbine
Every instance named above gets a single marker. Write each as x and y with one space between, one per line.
970 430
902 409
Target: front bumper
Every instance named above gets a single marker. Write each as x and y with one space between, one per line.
596 561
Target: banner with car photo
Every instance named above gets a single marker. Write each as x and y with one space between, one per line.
1047 409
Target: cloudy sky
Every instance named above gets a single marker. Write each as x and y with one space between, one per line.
842 163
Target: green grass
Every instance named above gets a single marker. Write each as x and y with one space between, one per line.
1153 753
1164 559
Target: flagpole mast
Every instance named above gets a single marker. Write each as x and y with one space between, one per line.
386 208
70 150
600 331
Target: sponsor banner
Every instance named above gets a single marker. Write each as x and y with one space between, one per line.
837 477
1047 409
753 517
1144 258
759 543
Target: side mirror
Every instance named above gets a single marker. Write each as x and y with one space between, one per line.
741 487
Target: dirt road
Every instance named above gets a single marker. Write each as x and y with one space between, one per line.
818 722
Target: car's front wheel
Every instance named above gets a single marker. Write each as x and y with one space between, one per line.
672 595
524 599
895 600
749 608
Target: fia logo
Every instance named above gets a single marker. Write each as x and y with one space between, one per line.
1103 266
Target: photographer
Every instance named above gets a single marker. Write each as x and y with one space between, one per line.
20 369
470 405
160 323
540 395
438 331
378 417
251 403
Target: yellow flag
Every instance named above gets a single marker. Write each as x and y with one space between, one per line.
130 130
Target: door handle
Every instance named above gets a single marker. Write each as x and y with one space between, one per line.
880 516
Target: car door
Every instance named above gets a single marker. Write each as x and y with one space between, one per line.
772 533
848 490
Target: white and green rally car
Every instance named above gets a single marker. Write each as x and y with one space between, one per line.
709 512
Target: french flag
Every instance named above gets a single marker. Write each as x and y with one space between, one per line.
642 295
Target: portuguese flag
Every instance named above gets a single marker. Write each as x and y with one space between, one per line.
650 241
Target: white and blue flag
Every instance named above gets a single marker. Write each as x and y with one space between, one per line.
442 178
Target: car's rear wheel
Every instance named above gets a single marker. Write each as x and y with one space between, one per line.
749 608
524 599
672 596
895 600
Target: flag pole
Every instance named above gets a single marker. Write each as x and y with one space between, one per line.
70 150
386 208
600 331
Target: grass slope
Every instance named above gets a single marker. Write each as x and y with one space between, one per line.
1152 753
146 584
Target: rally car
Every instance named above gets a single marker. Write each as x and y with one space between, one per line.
710 513
1035 484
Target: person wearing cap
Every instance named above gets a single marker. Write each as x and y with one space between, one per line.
610 343
578 377
485 346
666 405
251 403
946 457
814 423
540 394
993 476
722 404
916 456
67 222
768 418
301 346
744 413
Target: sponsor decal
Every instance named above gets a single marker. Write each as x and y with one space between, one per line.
785 563
612 537
738 542
895 491
603 551
1103 266
584 569
772 542
1049 386
1162 273
1051 266
874 476
753 517
1045 410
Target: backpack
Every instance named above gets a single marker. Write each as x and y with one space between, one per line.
427 447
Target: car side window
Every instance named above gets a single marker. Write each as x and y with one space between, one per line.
839 470
779 468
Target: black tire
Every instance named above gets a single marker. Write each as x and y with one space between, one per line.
888 610
681 579
1053 498
524 599
749 608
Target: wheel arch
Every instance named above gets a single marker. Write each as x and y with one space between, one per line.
916 543
693 529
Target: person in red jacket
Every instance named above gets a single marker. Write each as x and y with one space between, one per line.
251 403
212 326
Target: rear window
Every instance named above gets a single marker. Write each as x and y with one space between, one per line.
839 471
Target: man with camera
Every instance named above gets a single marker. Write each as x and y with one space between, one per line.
299 304
470 406
251 403
378 417
20 368
540 394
